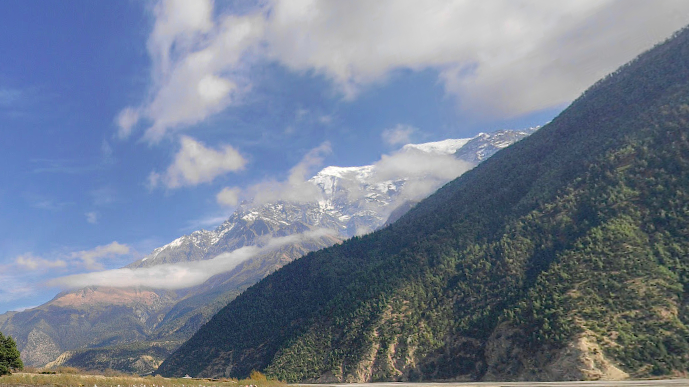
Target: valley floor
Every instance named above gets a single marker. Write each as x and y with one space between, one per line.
629 383
84 380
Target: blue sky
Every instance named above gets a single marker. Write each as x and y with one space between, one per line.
122 121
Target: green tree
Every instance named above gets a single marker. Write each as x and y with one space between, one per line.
9 355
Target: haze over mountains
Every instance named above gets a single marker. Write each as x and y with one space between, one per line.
564 256
106 324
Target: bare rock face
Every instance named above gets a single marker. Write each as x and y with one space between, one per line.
61 360
582 359
40 348
91 297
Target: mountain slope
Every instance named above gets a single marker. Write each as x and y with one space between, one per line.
563 256
95 327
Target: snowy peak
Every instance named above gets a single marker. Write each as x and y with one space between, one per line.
484 145
342 172
445 147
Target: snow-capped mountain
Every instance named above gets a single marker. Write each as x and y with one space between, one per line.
352 201
347 201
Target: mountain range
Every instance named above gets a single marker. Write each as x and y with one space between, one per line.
134 329
562 257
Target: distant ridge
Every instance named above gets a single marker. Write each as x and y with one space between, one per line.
563 257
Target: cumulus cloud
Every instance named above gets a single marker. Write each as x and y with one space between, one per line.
399 135
228 196
91 258
181 275
195 164
505 58
296 188
31 262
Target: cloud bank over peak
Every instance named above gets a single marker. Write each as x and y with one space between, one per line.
181 275
296 188
423 169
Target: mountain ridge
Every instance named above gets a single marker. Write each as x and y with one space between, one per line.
561 257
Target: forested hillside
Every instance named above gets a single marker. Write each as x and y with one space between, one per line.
564 256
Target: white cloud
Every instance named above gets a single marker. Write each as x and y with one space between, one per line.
423 173
228 196
126 120
185 274
195 164
177 23
31 262
513 57
399 135
415 164
92 217
90 258
498 57
296 188
198 65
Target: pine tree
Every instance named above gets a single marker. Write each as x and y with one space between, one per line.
9 355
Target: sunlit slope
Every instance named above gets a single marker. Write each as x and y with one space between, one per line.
563 256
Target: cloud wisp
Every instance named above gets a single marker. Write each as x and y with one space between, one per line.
198 66
181 275
228 196
399 135
16 286
296 188
502 58
89 259
92 217
409 174
31 262
195 164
